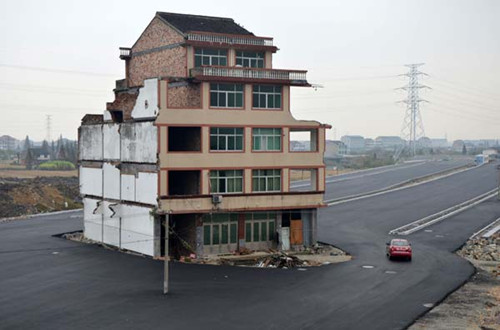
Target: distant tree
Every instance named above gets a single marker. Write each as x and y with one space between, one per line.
45 147
27 143
464 150
29 159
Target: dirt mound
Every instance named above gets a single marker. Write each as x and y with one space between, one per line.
42 194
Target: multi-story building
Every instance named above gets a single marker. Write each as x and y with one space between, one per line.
353 143
7 142
389 142
199 134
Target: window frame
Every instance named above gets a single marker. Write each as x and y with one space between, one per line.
218 135
226 179
267 179
227 93
266 95
230 222
266 138
219 56
270 225
249 59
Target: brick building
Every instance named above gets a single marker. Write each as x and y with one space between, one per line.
199 133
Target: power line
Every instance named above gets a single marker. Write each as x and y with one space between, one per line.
33 68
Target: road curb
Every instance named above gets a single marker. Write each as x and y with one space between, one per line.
403 185
29 216
442 215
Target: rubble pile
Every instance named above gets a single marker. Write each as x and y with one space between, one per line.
281 260
485 249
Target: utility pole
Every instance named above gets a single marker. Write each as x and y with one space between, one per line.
165 263
413 127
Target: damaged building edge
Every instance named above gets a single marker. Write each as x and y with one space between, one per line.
195 142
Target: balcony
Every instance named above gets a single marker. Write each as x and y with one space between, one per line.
243 41
239 74
125 53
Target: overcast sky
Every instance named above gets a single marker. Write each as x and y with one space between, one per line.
60 58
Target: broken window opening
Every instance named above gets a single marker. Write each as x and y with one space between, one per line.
304 179
303 140
184 139
182 183
116 116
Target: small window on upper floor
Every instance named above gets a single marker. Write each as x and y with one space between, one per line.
250 59
266 97
203 56
226 139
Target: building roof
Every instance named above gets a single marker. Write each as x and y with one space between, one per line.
186 23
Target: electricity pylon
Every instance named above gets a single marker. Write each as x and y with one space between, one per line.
413 127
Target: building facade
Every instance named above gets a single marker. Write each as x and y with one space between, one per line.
353 143
199 135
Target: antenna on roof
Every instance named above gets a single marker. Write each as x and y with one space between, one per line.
316 86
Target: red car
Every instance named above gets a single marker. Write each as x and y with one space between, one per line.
398 248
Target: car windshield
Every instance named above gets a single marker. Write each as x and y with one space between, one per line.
400 243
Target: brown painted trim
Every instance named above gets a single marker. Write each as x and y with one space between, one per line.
305 207
288 193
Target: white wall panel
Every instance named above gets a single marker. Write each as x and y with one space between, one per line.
146 188
90 142
111 181
90 181
146 105
111 138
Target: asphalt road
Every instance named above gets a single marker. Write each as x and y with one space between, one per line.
48 282
357 183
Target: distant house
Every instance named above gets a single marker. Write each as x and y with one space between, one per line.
457 145
389 142
335 149
7 142
439 143
424 142
353 143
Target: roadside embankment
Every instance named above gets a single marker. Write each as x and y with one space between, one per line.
476 305
19 197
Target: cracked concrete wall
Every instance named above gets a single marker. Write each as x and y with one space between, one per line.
111 141
146 105
139 142
90 142
92 223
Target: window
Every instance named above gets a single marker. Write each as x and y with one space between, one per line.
266 180
210 57
266 97
250 59
260 227
226 139
220 229
227 181
226 95
303 139
266 139
184 139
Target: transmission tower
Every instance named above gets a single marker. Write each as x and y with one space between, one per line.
49 128
413 127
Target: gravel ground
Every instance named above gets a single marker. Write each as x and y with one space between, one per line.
476 305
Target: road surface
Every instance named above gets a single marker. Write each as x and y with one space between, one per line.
49 282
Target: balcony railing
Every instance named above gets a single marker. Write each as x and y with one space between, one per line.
239 40
125 52
294 77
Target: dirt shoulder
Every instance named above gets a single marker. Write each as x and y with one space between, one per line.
476 305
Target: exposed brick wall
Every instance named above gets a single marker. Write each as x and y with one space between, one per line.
184 96
157 34
165 63
124 102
